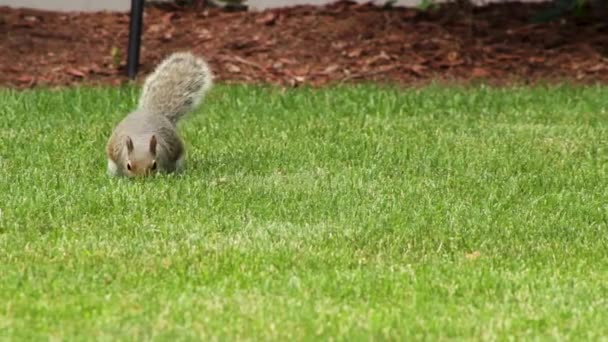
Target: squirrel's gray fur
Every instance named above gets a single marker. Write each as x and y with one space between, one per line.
146 140
176 87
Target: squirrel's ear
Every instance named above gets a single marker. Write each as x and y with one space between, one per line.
129 144
153 144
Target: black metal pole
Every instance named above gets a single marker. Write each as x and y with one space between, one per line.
137 11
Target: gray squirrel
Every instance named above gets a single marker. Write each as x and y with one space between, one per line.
146 141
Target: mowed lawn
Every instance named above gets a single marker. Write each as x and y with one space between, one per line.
352 213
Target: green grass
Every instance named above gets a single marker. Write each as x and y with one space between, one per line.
348 213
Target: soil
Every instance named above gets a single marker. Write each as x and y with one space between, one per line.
342 42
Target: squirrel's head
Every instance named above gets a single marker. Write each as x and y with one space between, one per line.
141 160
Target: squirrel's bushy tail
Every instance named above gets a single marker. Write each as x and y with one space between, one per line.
177 86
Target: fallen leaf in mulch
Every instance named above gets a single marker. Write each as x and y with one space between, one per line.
452 59
241 44
536 59
268 19
338 45
233 68
302 71
295 81
597 67
75 72
243 61
379 57
288 61
96 69
168 17
417 69
367 73
507 57
13 68
355 53
330 69
155 28
25 79
479 72
204 34
168 36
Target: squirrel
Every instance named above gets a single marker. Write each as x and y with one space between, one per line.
146 141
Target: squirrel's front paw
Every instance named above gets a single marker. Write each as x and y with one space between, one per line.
112 168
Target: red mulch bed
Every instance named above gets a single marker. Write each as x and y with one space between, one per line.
343 42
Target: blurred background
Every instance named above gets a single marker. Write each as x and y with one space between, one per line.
125 5
313 42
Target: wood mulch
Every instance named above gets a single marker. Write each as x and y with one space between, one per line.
342 42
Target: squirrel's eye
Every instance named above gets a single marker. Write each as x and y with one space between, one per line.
129 166
153 165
